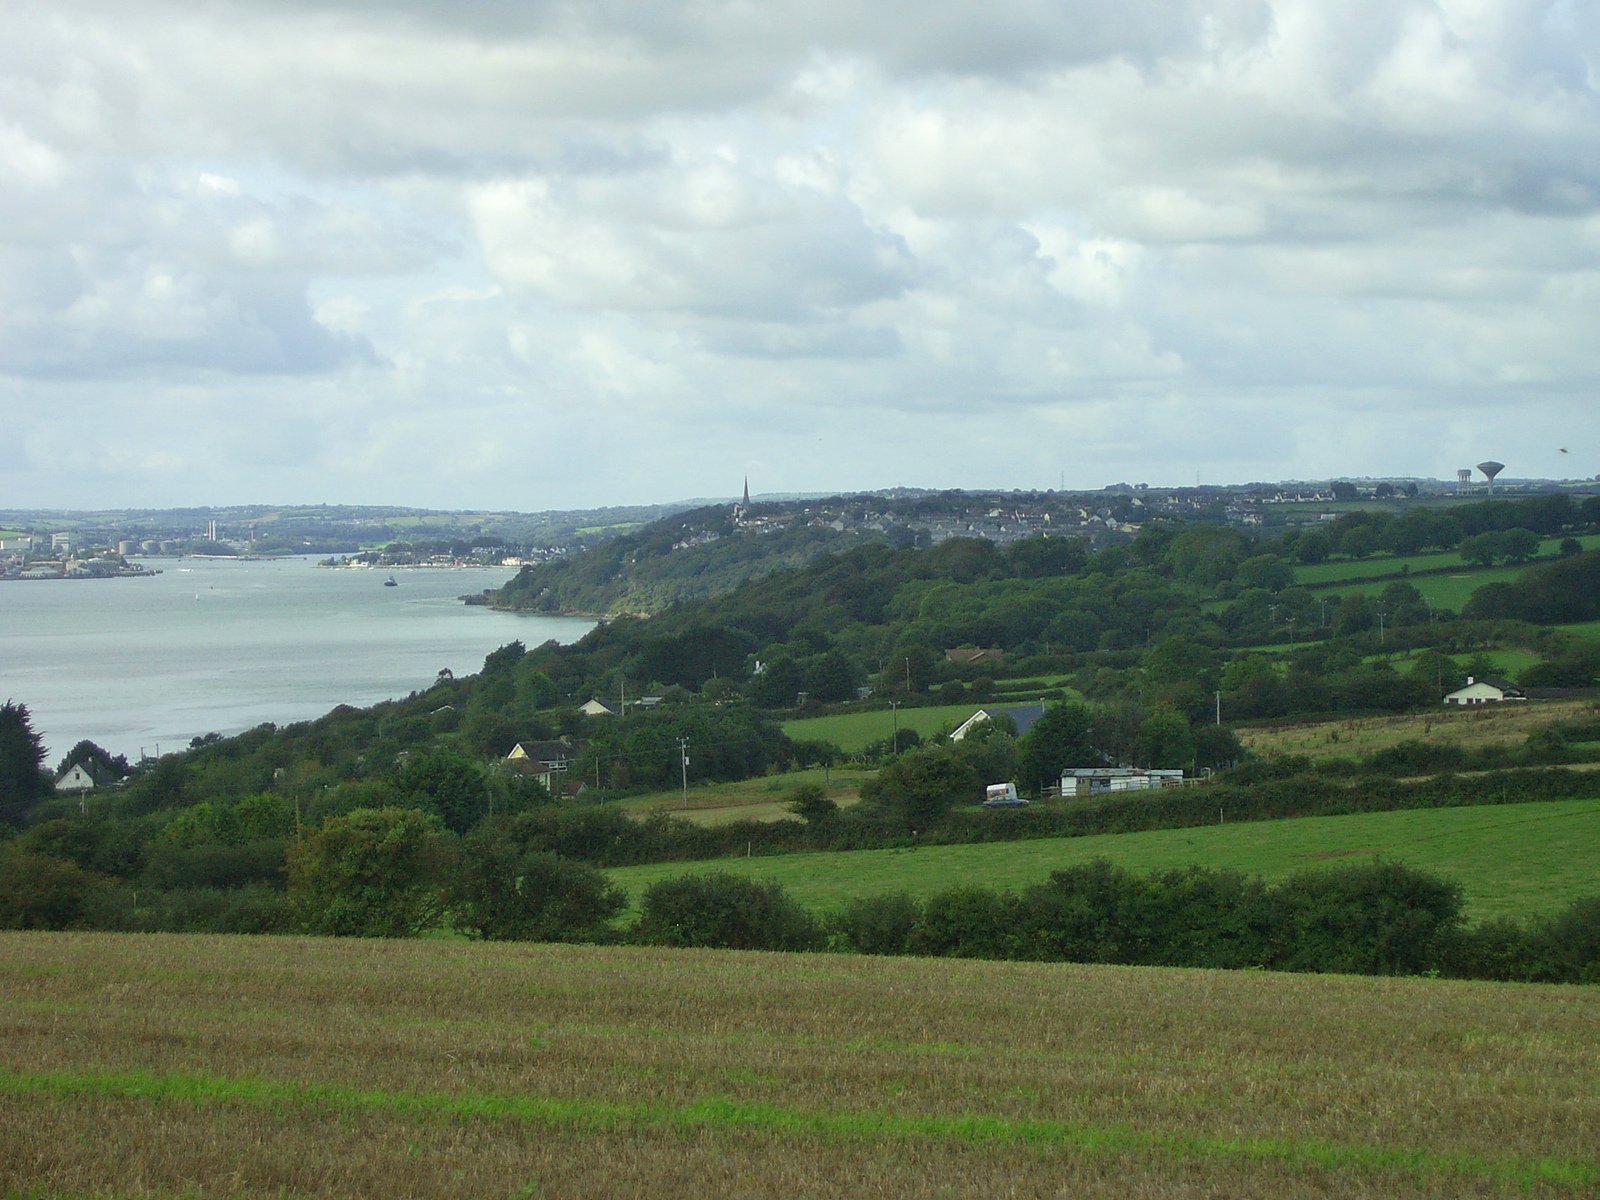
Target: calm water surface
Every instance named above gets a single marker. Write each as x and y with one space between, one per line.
222 646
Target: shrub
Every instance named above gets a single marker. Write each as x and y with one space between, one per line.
249 909
967 922
377 872
1566 947
1377 918
41 892
503 892
876 924
725 911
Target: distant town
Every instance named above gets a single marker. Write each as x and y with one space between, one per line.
62 544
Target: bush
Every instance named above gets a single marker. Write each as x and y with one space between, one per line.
504 892
250 909
967 922
1416 758
725 911
1377 918
876 924
1566 947
377 872
41 892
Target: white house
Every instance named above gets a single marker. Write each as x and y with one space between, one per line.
75 778
85 777
594 708
1022 715
1485 691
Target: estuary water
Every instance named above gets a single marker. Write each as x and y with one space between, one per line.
214 645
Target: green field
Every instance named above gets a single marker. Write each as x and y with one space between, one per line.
1508 662
856 731
1442 591
1587 629
1390 567
1511 860
173 1066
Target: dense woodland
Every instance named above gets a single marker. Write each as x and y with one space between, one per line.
402 816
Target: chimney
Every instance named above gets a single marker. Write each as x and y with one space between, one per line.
1470 681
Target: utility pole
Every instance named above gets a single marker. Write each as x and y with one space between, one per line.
1219 706
683 754
894 708
908 675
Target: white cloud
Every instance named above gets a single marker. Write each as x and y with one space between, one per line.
545 253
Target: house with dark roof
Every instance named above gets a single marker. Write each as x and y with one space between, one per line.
1022 715
547 762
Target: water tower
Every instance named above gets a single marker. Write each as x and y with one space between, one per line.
1490 469
1463 477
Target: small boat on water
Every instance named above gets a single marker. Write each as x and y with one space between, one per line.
390 582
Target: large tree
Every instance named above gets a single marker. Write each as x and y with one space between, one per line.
504 891
1058 740
375 872
22 783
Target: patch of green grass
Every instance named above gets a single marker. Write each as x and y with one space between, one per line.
792 1120
1389 567
1585 629
856 731
1512 860
1508 661
1442 591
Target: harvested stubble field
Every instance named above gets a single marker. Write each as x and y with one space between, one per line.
1470 727
765 798
166 1065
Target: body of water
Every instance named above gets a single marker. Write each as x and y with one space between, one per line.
221 646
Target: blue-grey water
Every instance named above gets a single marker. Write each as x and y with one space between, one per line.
222 646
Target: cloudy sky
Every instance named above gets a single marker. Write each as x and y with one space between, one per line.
535 254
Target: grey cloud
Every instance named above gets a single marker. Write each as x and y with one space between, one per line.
1139 230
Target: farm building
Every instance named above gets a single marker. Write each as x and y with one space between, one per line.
1096 781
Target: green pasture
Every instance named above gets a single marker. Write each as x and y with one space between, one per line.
1586 629
1508 662
1391 567
1511 860
1442 591
856 731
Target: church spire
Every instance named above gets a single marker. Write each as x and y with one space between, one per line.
747 491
